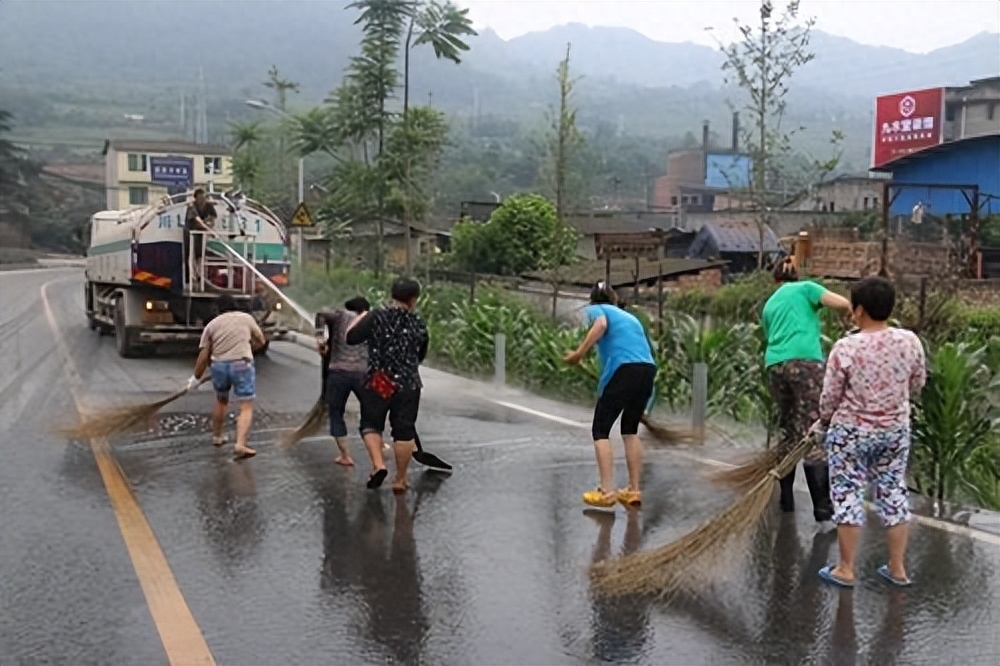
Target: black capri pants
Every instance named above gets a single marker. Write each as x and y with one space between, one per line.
401 408
625 395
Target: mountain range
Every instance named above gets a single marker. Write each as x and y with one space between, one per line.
126 51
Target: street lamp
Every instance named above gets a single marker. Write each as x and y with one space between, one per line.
262 105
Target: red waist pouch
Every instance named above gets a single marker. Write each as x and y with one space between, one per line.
382 384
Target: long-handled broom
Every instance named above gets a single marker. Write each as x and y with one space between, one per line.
107 422
691 559
316 416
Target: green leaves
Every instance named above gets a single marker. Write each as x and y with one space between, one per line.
523 234
442 25
956 453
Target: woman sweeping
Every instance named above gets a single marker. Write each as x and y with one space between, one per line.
624 388
865 412
794 362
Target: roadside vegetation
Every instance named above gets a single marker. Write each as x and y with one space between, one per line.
956 454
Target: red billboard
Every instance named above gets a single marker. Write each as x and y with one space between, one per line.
907 122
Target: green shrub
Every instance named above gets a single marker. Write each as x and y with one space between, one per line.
956 454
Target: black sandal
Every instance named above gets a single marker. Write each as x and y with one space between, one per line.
376 479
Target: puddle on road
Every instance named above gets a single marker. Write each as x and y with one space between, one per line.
490 414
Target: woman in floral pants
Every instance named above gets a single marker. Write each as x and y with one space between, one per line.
870 379
794 361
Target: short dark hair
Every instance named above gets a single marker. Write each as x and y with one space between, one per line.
199 191
405 290
358 304
785 270
603 293
876 295
225 303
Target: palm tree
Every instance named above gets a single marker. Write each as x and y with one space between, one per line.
440 24
246 162
316 131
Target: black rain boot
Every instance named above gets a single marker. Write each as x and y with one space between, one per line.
818 480
787 492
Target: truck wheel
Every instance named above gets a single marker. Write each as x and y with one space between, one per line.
123 337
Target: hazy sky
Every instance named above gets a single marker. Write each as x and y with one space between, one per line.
914 25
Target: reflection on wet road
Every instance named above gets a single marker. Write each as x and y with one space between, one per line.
288 559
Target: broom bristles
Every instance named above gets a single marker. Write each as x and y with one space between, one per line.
689 560
665 434
312 424
746 476
107 422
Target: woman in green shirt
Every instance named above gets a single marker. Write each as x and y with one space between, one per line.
795 368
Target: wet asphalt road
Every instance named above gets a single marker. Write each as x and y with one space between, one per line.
287 559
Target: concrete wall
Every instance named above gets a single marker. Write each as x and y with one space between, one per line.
783 222
975 111
855 194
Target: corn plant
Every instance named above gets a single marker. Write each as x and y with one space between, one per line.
955 454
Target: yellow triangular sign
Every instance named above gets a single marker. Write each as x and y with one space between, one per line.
301 217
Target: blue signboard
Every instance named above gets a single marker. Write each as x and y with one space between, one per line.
727 171
172 170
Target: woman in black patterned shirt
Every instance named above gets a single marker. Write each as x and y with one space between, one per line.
397 345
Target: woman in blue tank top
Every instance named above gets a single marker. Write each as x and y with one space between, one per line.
624 388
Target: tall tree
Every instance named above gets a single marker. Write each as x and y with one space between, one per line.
762 65
564 140
440 24
281 87
245 138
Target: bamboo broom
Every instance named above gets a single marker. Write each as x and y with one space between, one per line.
317 415
691 559
107 422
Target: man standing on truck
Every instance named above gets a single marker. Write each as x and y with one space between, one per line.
199 217
227 344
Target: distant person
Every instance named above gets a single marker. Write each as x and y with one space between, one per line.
794 362
199 217
227 346
347 366
871 378
628 373
397 345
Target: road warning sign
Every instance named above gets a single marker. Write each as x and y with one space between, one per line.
301 217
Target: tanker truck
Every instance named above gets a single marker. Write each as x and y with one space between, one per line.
139 281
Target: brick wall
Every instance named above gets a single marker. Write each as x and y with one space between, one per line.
710 279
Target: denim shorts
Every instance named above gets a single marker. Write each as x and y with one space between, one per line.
239 376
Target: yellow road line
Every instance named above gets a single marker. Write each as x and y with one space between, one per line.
182 638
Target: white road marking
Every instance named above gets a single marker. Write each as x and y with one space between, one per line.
923 520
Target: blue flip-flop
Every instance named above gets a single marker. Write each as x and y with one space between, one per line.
883 571
826 575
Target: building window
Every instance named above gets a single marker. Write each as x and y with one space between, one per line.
673 201
213 165
136 162
991 111
138 196
874 202
865 204
949 112
832 207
